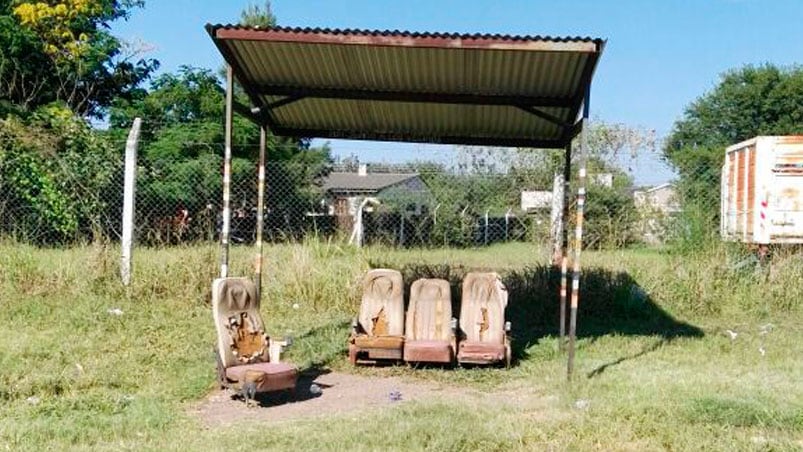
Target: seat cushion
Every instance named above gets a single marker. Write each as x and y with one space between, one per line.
390 342
480 352
430 351
277 375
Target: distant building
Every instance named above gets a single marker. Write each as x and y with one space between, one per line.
535 200
661 198
656 205
345 190
602 179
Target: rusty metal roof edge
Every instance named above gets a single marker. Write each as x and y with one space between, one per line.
213 28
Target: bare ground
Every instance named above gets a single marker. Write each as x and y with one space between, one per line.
343 393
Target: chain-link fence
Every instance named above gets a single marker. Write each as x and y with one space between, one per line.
64 199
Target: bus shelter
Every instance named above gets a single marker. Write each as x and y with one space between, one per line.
445 88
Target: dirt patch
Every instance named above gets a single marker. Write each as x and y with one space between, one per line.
339 394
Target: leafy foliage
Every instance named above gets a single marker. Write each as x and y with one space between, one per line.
54 170
492 179
182 144
63 51
258 16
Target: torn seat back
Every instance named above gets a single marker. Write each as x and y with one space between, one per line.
382 304
241 337
482 309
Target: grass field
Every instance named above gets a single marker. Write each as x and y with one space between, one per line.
656 367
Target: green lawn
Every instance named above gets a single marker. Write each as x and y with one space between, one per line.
655 366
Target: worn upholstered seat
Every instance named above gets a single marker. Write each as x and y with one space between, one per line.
279 375
482 320
378 331
243 348
429 329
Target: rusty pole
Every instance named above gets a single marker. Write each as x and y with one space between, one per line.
578 239
263 137
564 258
226 228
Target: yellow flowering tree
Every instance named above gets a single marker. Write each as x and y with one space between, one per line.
54 23
61 50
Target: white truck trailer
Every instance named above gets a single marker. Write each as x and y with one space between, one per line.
762 191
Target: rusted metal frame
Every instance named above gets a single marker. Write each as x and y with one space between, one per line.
263 138
564 261
282 102
545 116
247 113
411 96
408 40
263 116
578 240
572 132
585 81
226 227
379 136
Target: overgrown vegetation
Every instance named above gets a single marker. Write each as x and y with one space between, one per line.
656 368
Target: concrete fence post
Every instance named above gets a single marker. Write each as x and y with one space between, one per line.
129 190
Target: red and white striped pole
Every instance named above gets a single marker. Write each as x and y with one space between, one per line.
263 138
564 261
226 227
578 237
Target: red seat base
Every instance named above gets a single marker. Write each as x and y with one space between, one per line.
429 351
279 375
481 352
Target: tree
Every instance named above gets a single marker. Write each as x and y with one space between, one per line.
492 179
182 146
61 50
255 16
55 175
750 101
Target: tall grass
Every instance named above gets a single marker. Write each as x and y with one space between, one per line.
74 374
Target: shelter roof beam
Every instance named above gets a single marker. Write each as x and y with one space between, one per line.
400 96
379 136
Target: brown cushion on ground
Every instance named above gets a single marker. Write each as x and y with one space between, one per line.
279 375
379 341
470 351
428 351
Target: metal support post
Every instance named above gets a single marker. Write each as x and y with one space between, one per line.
564 245
578 244
263 138
226 227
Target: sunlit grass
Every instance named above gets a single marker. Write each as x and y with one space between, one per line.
74 374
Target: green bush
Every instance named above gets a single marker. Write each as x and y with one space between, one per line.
54 173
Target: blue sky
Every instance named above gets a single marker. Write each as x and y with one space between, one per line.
661 54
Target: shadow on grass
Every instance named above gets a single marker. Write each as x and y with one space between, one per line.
611 303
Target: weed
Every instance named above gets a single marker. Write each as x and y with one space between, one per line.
89 364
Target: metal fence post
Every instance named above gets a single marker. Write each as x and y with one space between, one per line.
556 219
401 230
486 227
129 189
508 214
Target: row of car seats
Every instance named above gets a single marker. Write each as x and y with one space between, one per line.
249 361
428 333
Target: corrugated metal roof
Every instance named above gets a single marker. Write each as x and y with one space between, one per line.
408 86
340 181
